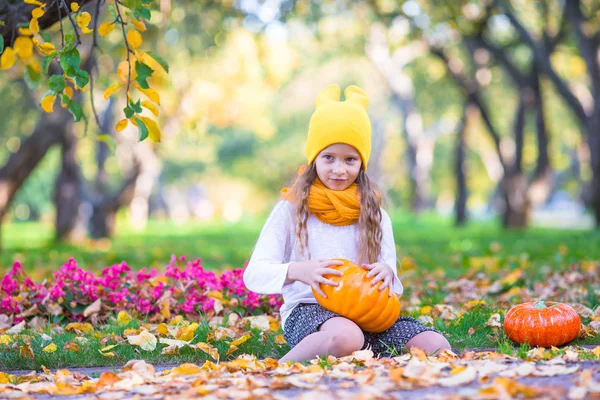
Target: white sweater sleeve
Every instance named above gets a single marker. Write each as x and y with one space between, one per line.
267 269
388 250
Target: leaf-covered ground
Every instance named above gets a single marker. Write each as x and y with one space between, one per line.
462 282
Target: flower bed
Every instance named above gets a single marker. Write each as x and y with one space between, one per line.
74 295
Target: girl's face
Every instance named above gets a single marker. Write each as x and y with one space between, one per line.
338 166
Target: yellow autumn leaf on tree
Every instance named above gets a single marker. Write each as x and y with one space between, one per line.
110 90
34 26
7 59
48 103
154 134
187 332
83 20
74 7
105 28
34 2
151 93
150 106
24 47
38 12
46 48
122 124
68 91
134 39
51 348
140 26
123 318
145 340
24 31
122 71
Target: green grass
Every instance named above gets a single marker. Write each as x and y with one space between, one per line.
432 242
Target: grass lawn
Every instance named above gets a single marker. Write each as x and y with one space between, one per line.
431 251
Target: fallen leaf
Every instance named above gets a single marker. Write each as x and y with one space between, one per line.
51 348
145 340
92 308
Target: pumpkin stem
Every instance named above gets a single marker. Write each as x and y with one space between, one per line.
540 304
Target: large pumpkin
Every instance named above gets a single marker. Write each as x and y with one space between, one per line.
542 323
373 310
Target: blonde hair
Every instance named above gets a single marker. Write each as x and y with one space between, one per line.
369 222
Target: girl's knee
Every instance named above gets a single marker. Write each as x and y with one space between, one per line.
345 337
429 341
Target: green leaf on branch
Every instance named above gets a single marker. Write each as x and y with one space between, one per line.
1 44
159 60
69 61
128 112
45 35
81 78
75 109
142 12
144 72
32 77
137 106
143 129
69 41
133 4
56 83
48 60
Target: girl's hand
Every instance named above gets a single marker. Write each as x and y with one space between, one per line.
311 272
381 272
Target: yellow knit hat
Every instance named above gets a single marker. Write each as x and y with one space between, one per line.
336 121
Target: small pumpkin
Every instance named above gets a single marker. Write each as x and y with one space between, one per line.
355 298
542 323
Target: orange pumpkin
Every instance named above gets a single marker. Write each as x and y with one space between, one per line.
373 310
542 323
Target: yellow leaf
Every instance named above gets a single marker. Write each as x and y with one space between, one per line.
84 19
109 354
186 369
48 103
178 320
38 12
24 31
122 124
84 327
123 71
240 340
153 130
107 378
134 39
34 26
133 121
51 348
123 318
151 93
232 348
110 90
162 329
187 332
105 28
68 91
150 106
156 281
25 351
107 348
208 349
165 308
7 59
139 25
6 378
5 339
74 7
279 339
45 48
34 2
145 340
71 347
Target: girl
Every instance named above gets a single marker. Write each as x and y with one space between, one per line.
332 211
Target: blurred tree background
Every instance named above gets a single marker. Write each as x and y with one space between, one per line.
483 109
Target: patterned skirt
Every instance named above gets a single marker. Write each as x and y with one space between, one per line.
306 319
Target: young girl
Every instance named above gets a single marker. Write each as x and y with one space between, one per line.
332 211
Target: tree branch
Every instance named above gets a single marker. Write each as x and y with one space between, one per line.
543 58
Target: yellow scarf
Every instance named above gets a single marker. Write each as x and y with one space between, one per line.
335 207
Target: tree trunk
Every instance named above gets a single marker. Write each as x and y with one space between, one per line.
517 206
460 207
49 131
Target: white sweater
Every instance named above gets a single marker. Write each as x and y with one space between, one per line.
277 247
